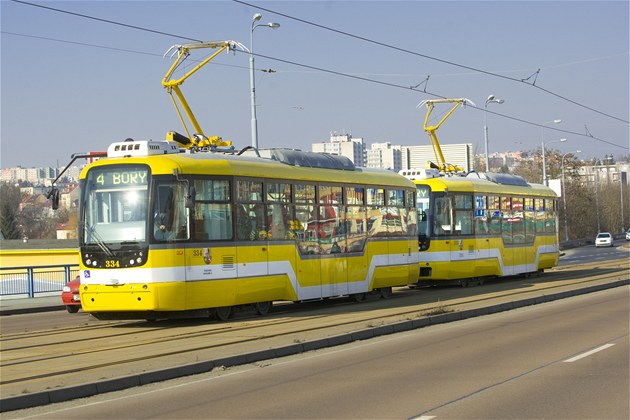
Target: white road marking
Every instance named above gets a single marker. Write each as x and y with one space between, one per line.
588 353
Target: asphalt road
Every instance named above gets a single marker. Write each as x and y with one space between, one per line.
591 254
565 359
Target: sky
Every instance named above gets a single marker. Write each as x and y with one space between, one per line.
73 83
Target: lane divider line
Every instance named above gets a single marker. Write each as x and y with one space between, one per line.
588 353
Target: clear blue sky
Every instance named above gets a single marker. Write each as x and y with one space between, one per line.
72 84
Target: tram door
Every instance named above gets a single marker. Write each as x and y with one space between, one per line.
332 239
308 252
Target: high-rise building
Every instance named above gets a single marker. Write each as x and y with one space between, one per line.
416 157
344 145
385 156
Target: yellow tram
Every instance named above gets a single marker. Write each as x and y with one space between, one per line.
483 225
166 231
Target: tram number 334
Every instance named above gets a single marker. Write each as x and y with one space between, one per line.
112 263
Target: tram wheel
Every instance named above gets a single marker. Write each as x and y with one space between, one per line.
385 292
358 297
464 283
223 313
263 308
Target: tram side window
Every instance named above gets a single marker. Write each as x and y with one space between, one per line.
331 229
307 229
356 222
279 210
530 220
170 212
494 215
463 214
410 217
506 220
518 222
481 215
213 211
305 222
355 196
540 221
376 222
550 210
395 217
251 220
442 211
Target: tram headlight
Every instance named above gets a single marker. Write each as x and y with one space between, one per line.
139 260
131 261
88 261
93 263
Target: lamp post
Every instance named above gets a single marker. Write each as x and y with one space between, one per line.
491 99
564 197
542 139
252 79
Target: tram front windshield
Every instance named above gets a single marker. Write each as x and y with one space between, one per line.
116 199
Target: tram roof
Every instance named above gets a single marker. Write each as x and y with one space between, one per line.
285 164
488 183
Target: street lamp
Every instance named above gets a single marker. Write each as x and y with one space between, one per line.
491 99
542 137
252 81
564 197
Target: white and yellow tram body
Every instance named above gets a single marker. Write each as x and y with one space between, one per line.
483 225
165 231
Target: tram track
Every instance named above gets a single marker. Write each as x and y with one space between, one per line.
52 358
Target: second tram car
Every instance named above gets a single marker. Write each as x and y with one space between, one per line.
483 225
168 232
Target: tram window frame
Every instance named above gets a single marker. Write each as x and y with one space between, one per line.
248 190
494 215
480 215
304 193
411 213
395 214
250 210
551 217
329 194
395 197
278 192
462 214
375 196
442 215
530 220
494 202
216 222
354 196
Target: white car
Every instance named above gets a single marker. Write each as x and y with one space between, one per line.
603 239
628 235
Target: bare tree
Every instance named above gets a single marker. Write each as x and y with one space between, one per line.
10 197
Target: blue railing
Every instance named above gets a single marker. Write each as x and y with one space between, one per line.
38 279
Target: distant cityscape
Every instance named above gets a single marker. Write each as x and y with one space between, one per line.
384 155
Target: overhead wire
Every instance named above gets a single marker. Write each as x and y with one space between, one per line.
452 63
415 89
319 69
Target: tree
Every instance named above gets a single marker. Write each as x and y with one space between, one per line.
10 197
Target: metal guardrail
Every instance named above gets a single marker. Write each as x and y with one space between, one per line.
33 280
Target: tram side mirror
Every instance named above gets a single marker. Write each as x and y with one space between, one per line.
53 195
192 197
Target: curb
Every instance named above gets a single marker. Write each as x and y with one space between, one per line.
31 310
121 383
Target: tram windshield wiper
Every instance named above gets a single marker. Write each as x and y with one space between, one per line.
98 240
